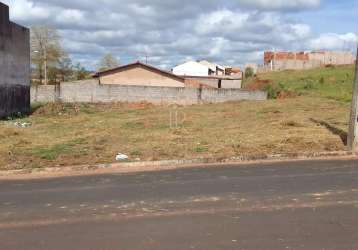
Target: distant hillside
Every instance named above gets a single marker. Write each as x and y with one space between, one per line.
331 82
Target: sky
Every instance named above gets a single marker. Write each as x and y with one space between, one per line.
170 32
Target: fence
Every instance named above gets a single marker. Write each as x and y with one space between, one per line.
90 91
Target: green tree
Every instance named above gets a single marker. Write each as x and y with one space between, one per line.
46 51
80 73
65 69
107 62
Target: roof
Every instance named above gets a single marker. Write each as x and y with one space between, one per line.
138 64
212 66
191 68
191 63
237 69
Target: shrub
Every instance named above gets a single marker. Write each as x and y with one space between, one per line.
273 91
249 72
321 80
308 86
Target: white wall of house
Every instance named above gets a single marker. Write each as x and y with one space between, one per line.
191 68
216 68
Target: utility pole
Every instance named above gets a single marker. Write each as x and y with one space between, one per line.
45 55
352 140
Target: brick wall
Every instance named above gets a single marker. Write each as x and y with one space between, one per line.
282 56
301 60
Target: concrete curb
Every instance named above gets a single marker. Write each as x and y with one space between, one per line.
174 164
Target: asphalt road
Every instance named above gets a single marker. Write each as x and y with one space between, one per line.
296 205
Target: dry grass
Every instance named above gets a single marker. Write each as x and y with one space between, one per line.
80 134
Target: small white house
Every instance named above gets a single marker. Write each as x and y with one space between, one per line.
216 68
192 68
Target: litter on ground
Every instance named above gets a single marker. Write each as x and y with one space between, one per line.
22 124
121 157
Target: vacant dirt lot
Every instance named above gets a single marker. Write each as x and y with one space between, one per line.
79 134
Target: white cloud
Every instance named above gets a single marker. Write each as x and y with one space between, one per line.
171 31
283 4
221 20
302 31
70 16
24 10
333 41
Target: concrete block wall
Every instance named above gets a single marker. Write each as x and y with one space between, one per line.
226 82
296 64
333 57
92 92
14 66
231 84
45 93
225 95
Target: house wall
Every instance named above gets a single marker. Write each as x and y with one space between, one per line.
140 76
14 66
91 91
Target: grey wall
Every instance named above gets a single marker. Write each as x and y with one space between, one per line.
91 91
231 84
14 66
226 82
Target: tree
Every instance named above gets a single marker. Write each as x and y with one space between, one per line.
249 72
107 62
46 50
65 68
80 72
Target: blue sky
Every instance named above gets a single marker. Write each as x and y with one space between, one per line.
333 16
229 32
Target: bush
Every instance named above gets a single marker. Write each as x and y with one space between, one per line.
308 86
249 72
273 91
321 80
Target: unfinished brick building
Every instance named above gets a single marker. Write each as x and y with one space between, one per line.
303 60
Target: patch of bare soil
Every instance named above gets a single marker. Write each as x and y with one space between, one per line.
140 105
258 84
286 94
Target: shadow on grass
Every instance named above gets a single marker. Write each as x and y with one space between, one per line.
24 114
334 130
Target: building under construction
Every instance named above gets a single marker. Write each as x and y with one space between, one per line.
275 61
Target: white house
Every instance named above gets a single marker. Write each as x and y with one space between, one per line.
216 68
192 68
